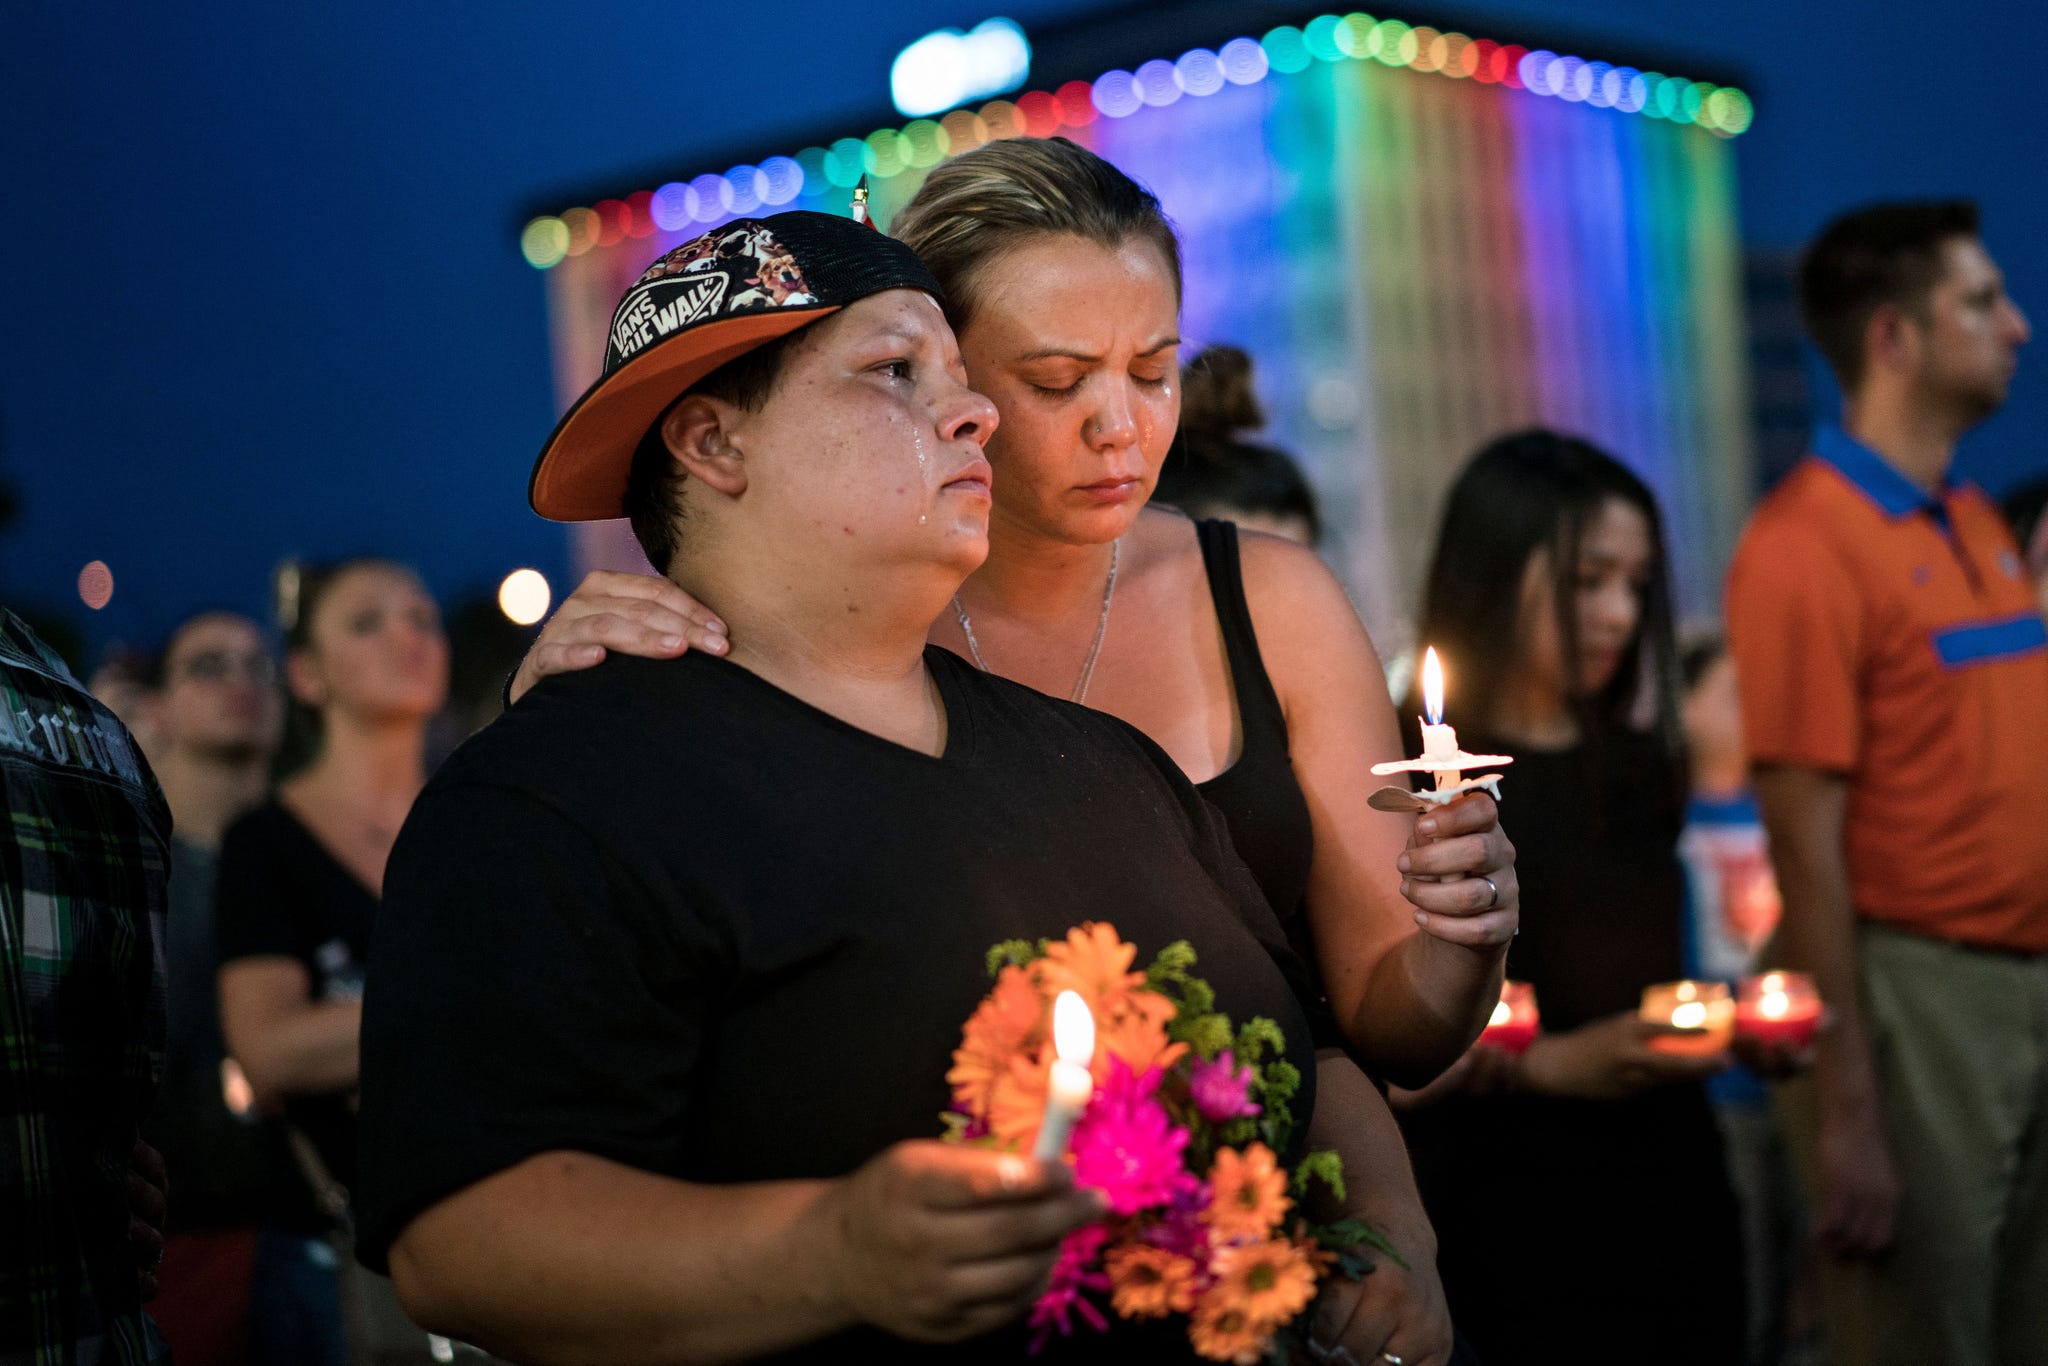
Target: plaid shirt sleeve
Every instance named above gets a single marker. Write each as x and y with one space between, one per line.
84 862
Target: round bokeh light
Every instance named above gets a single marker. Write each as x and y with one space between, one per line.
96 585
524 596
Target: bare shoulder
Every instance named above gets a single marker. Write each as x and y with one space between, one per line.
1295 601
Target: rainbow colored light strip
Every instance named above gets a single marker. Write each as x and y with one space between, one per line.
1287 50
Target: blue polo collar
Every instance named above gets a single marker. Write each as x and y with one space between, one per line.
1870 472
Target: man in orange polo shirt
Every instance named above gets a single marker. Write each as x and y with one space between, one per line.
1894 676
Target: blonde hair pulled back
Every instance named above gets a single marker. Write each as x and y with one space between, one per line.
978 205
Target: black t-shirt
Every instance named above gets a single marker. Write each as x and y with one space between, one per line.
226 1169
666 913
283 894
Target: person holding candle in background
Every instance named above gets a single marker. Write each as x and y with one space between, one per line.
1731 912
1893 669
1578 1189
676 952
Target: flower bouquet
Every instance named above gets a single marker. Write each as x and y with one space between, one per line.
1180 1134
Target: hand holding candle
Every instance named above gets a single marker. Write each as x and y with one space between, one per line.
1778 1008
1704 1010
1071 1083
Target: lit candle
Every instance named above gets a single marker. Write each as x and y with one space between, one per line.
1439 741
1515 1020
1778 1008
1704 1010
1073 1039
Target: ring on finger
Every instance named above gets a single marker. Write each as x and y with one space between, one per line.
1491 902
1391 1359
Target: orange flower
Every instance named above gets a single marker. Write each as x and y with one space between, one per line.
1130 1019
1138 1036
1270 1281
1221 1331
1149 1282
1092 961
1010 1023
1016 1099
1247 1194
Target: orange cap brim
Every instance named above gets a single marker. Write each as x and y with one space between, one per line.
581 473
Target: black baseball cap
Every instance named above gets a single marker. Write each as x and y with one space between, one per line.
711 300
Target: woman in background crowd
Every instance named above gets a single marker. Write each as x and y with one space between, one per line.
1579 1191
1213 470
301 874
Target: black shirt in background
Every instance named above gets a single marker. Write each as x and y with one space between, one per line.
226 1170
281 893
1582 1230
664 912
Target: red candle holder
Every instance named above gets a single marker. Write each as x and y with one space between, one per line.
1515 1021
1778 1008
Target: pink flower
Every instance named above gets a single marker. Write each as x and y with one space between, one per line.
1127 1147
1070 1276
1221 1089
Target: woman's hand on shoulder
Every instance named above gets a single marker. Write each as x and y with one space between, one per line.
938 1242
1459 873
1612 1059
635 614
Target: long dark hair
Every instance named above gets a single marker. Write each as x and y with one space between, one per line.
1525 492
1214 469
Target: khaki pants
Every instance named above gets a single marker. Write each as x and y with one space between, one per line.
1960 1041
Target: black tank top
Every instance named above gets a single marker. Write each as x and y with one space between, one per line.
1258 795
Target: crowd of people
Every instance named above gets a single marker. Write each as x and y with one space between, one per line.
621 1033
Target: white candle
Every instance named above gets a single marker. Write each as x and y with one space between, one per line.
1073 1039
1439 741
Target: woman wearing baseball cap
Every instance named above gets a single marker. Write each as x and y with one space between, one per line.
674 954
1240 655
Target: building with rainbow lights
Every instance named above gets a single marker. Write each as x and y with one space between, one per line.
1424 239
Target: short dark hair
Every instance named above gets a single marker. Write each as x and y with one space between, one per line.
654 484
158 661
1883 254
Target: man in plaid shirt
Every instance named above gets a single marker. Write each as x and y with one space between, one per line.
84 857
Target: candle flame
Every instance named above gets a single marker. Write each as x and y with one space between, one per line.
1689 991
1774 1005
1432 687
1691 1015
1774 981
1501 1015
1073 1029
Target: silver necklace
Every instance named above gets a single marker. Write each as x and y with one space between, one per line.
1080 693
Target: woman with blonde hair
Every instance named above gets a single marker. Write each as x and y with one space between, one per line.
1240 655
